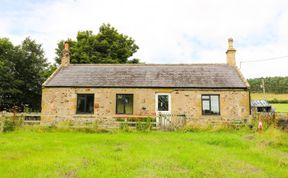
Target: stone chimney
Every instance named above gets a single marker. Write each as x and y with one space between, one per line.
230 53
65 55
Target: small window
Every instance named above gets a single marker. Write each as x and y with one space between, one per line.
210 105
85 104
124 104
163 103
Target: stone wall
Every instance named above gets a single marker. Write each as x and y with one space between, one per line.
60 103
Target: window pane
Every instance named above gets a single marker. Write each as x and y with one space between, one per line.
215 105
85 103
120 104
206 106
90 104
80 104
129 104
205 97
163 103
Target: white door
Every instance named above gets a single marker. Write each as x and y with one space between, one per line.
163 109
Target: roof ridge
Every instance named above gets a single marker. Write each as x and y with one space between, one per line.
186 64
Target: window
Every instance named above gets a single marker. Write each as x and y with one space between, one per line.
210 105
85 104
124 104
163 103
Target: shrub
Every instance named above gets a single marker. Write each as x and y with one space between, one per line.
8 124
146 125
124 127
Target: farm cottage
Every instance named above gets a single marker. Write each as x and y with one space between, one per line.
107 92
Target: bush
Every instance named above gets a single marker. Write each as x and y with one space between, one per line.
8 125
124 127
145 125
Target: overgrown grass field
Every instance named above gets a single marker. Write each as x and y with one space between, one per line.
25 153
269 96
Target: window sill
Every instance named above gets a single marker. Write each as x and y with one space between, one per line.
131 116
211 115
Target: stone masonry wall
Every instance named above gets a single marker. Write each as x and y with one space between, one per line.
60 103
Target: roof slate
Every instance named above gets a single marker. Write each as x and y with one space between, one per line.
147 75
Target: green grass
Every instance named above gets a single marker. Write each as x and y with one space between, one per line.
27 153
281 107
269 96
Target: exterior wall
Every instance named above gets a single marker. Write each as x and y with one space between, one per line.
60 103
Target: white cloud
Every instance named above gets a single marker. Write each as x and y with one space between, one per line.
167 31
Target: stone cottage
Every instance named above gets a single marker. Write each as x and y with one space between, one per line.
106 92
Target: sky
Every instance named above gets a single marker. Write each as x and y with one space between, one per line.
167 31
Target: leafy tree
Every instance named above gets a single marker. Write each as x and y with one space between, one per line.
30 66
49 70
23 69
108 46
9 84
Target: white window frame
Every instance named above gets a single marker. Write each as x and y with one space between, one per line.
169 103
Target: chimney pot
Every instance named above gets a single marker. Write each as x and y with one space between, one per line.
230 42
66 45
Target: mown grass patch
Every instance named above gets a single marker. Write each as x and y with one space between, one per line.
280 107
38 153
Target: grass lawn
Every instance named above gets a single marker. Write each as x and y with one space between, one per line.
27 153
281 107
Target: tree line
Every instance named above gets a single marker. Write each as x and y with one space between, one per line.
271 84
24 67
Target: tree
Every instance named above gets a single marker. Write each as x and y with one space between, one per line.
49 70
272 84
9 84
30 66
23 69
108 46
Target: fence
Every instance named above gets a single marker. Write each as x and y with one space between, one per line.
28 118
163 121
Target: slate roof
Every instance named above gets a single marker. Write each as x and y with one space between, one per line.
147 75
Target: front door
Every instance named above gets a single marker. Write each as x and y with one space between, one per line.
163 109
